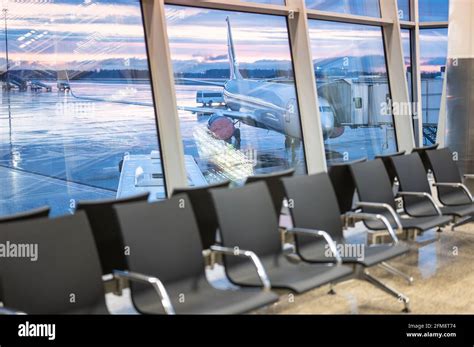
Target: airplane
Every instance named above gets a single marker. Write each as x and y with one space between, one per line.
263 104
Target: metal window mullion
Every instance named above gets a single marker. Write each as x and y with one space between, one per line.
416 72
306 87
171 145
396 68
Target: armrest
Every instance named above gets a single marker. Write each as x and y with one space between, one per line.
456 185
8 311
154 282
422 195
370 216
236 252
319 233
386 207
468 176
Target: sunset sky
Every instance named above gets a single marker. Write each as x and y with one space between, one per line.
67 32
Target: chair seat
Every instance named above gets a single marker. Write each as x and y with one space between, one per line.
372 255
458 211
419 223
197 296
298 278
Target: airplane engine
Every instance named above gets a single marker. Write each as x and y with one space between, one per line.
222 127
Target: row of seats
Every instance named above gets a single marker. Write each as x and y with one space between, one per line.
158 247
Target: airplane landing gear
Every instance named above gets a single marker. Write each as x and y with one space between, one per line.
292 144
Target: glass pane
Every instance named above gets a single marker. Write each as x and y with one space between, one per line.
77 120
434 10
236 93
351 75
433 55
404 9
358 7
406 42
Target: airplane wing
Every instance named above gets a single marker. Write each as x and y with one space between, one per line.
221 112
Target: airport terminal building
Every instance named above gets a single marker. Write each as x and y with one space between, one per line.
240 156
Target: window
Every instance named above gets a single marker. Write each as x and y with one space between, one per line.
433 55
351 76
369 8
246 58
404 9
77 120
433 10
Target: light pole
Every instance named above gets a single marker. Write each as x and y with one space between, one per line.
7 77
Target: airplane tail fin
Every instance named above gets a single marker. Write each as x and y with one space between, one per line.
234 65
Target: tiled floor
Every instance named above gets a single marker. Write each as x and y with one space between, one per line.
444 283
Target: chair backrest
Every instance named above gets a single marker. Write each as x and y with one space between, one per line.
32 214
103 221
412 178
313 206
411 173
274 185
443 166
343 184
373 183
162 239
66 276
387 162
204 211
423 152
247 220
445 170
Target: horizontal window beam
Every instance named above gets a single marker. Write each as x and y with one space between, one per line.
407 24
347 18
233 5
433 25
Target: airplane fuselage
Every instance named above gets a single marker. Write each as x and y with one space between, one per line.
273 105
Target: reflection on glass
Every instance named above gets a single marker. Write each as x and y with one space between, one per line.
236 94
433 10
353 90
358 7
433 55
77 120
404 9
406 37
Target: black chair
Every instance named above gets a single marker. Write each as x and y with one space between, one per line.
66 277
316 208
423 153
204 211
249 227
449 182
273 182
164 242
343 183
376 196
387 162
32 214
106 231
416 191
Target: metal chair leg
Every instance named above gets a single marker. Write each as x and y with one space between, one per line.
396 272
374 281
331 290
461 221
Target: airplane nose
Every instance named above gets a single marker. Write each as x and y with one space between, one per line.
327 122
